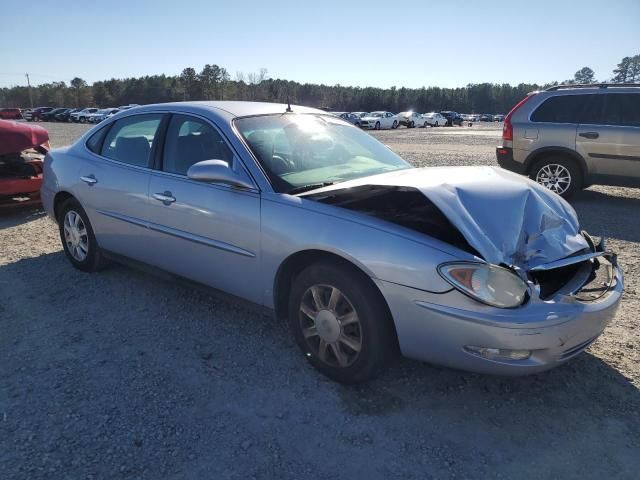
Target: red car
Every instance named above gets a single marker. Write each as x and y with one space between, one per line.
10 113
21 146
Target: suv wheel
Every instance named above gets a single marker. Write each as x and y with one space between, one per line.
340 322
558 174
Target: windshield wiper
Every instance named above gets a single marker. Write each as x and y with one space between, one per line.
311 186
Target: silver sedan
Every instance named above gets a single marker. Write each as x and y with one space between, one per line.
360 253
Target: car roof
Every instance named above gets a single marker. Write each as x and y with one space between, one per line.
235 108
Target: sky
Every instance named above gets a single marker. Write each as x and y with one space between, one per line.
445 43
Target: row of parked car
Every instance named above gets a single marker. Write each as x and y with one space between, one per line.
62 114
410 119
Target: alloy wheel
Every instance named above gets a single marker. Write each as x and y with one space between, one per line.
330 326
76 236
555 177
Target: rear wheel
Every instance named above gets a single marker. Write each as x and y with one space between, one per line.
436 124
395 124
561 175
78 240
340 322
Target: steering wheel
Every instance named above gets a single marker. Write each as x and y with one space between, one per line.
279 164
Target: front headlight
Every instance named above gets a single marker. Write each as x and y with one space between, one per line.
495 286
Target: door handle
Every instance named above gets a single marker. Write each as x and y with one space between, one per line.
89 180
590 135
167 198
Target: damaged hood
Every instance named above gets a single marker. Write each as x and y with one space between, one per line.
508 219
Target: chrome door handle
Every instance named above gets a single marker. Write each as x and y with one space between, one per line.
89 180
165 197
590 135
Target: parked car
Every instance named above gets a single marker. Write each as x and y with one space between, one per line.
379 120
20 163
102 114
349 117
569 137
453 118
65 115
410 119
362 254
434 119
35 114
10 114
498 118
485 117
82 116
50 116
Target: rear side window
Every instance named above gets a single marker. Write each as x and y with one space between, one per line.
130 139
563 109
622 109
95 141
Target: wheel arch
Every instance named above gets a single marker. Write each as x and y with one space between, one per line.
60 197
298 261
536 155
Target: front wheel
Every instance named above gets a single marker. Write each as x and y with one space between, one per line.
340 322
78 239
377 126
83 120
436 124
425 124
560 175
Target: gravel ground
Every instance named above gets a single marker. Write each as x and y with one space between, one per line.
126 375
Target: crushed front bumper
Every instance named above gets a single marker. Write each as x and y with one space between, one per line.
436 327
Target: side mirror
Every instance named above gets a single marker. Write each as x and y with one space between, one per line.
217 171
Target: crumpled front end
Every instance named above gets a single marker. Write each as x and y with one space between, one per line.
573 285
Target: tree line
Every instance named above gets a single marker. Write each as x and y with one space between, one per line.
215 83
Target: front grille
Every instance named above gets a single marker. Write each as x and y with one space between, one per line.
551 281
577 349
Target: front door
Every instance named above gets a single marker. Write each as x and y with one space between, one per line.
609 138
206 232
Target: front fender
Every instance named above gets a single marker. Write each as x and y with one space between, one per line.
292 224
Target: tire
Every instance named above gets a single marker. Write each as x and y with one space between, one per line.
436 124
412 124
394 125
371 332
425 124
93 260
377 127
558 166
82 120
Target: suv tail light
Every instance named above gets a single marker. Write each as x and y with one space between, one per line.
507 127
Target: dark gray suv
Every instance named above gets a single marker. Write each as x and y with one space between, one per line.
571 136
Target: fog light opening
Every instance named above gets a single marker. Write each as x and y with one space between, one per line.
498 353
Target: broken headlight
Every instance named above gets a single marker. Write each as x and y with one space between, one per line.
495 286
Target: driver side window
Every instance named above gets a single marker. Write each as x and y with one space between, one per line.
190 140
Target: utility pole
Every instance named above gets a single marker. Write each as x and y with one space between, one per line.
30 96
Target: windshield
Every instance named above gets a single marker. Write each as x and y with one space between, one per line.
376 114
308 150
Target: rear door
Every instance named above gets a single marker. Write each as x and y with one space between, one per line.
608 138
113 183
553 124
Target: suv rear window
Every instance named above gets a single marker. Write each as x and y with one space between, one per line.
563 109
